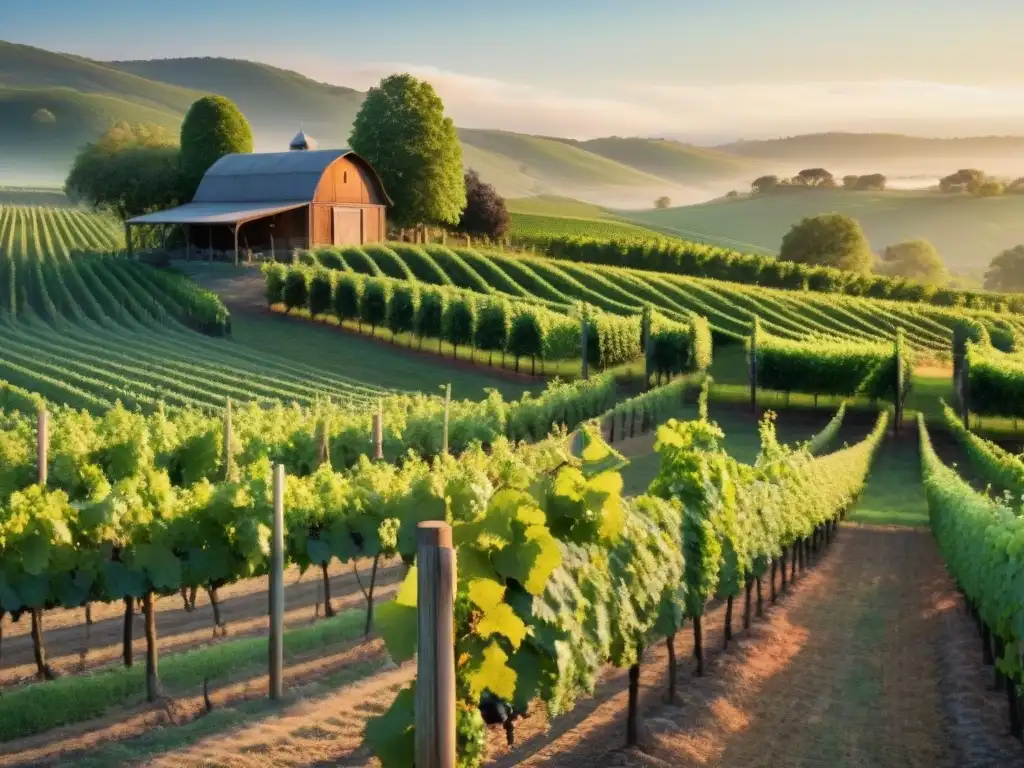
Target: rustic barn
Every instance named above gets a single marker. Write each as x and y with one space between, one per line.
278 201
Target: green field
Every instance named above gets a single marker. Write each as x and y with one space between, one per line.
968 232
90 331
729 307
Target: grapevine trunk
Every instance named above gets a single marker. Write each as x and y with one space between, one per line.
154 691
126 631
634 695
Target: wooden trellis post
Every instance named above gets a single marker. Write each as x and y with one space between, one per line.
378 432
228 438
753 364
435 666
447 412
277 588
43 445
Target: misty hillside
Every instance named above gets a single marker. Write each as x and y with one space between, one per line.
672 160
271 98
847 147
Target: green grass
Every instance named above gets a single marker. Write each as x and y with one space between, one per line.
364 359
536 225
968 232
673 160
554 205
893 494
37 708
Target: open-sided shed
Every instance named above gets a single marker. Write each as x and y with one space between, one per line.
279 201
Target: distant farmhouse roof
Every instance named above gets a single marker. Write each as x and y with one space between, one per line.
242 187
302 141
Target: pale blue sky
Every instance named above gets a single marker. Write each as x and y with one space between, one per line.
556 58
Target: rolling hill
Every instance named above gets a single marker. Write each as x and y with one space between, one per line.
967 231
671 160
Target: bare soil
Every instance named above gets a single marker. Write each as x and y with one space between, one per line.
73 647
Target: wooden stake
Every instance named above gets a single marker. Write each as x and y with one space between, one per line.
43 445
277 588
435 674
447 411
753 366
378 432
228 438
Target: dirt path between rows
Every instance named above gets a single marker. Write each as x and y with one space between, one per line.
71 650
868 662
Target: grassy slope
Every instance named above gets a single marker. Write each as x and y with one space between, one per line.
555 162
671 160
967 231
872 146
366 360
551 215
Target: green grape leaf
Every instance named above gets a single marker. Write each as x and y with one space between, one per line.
35 554
407 592
392 736
72 589
529 667
160 565
501 619
122 581
532 562
493 674
34 590
486 594
605 493
474 564
397 625
10 600
319 551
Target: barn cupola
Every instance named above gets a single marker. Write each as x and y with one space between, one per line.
302 141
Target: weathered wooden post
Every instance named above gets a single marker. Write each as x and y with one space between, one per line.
43 445
755 328
447 412
645 339
899 380
435 665
277 588
378 432
965 391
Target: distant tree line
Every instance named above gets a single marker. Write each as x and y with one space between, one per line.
976 182
817 178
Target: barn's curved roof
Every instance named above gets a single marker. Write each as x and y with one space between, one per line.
272 176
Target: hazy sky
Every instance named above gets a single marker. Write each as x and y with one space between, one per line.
701 68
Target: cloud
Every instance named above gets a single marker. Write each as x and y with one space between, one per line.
724 111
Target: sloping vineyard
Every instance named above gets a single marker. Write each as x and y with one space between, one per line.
87 329
729 307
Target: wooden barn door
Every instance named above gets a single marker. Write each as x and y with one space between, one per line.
348 226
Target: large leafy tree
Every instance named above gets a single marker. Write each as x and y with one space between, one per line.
402 131
485 213
130 170
830 240
1006 272
213 127
916 260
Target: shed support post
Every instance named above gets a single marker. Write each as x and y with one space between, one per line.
236 242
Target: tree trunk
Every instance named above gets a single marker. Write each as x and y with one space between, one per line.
760 599
328 608
997 679
154 690
795 552
785 587
698 645
218 624
634 695
126 631
774 596
747 603
986 644
728 622
43 671
1014 704
670 644
369 597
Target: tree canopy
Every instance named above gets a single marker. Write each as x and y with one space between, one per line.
968 179
829 239
213 127
814 177
1006 271
663 202
764 184
915 260
402 131
130 170
485 213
